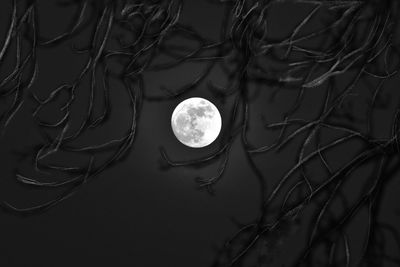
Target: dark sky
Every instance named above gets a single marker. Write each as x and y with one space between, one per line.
137 213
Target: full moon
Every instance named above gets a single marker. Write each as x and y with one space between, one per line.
196 122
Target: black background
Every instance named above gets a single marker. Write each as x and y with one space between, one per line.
137 213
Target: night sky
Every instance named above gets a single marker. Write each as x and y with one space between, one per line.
140 210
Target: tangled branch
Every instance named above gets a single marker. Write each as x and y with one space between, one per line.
354 48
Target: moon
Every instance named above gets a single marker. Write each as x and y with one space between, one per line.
196 122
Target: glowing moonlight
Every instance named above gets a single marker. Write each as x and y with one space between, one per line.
196 122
